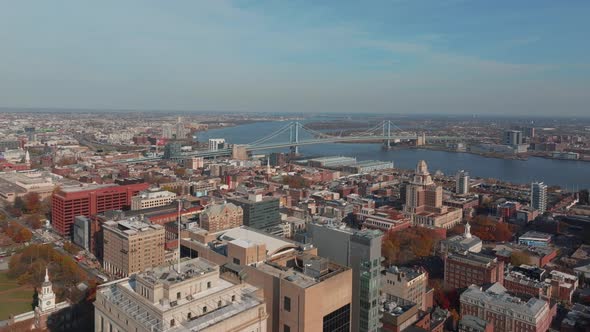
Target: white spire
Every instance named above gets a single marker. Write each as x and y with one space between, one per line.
27 157
467 234
46 275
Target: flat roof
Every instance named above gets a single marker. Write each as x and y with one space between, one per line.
250 236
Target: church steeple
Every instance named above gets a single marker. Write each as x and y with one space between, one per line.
47 296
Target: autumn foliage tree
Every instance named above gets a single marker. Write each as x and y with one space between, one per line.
17 232
400 247
28 267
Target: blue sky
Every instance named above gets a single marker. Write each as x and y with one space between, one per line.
396 56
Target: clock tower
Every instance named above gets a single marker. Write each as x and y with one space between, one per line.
47 297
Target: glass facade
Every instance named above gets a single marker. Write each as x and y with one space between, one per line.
338 320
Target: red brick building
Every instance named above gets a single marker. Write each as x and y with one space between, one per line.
89 200
506 312
462 271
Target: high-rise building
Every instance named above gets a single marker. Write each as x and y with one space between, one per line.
219 217
69 202
168 131
365 260
463 270
303 292
424 202
513 137
462 183
132 246
172 150
539 196
308 292
192 296
216 144
505 312
360 250
259 212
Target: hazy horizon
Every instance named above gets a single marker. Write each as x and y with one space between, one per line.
455 57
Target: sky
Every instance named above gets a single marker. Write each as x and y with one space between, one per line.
526 57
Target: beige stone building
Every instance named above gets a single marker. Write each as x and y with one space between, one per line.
424 202
219 217
302 291
191 296
152 198
132 246
409 284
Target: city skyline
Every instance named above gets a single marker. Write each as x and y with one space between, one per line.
390 57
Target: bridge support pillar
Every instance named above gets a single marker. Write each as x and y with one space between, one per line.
387 133
295 138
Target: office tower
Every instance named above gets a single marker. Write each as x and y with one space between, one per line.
307 292
408 283
216 144
462 183
539 196
151 198
259 212
529 132
303 292
132 246
365 260
172 150
219 217
505 312
463 270
88 200
360 250
424 202
168 131
181 130
192 296
513 137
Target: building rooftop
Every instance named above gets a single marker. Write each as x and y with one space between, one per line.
534 235
248 236
131 226
497 296
473 258
168 275
301 269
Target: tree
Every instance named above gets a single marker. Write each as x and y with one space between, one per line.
23 235
34 221
32 202
35 302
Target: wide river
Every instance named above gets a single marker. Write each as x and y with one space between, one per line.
570 175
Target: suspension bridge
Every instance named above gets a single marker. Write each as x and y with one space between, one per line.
296 134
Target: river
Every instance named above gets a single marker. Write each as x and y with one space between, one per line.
570 175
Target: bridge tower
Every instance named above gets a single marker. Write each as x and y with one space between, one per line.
294 138
387 133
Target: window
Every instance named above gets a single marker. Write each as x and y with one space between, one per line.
189 315
219 303
338 320
236 261
208 284
233 298
286 328
172 322
178 296
204 310
287 303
